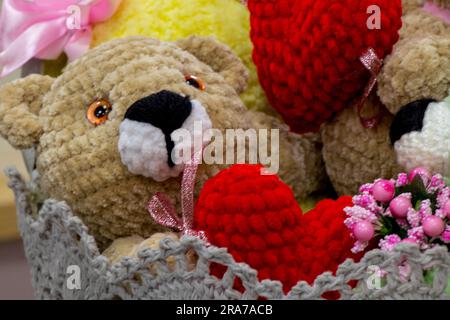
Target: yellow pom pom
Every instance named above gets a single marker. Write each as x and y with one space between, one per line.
170 20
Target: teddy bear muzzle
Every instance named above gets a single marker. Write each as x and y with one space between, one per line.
157 133
420 134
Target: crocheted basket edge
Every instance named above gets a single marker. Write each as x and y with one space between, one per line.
57 235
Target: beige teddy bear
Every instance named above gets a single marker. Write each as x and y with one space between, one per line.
104 129
416 72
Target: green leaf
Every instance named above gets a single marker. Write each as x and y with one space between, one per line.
419 193
389 226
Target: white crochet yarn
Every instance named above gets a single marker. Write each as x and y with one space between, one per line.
143 149
430 147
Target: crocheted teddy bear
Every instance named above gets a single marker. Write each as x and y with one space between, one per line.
104 129
414 131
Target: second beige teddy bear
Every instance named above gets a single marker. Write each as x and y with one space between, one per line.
417 69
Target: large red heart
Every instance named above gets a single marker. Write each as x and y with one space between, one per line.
258 220
307 53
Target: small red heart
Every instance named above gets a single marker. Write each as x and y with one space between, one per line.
258 219
307 53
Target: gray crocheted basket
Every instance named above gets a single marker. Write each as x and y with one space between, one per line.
55 239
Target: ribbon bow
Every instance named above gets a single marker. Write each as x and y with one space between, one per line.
163 211
44 29
373 64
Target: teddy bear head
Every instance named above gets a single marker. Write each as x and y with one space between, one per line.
108 130
89 125
413 78
413 84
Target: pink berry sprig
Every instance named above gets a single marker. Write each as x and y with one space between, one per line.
414 208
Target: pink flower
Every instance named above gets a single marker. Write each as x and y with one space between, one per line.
356 214
367 201
414 218
442 197
366 188
436 183
359 246
425 208
389 242
402 180
446 235
440 213
417 234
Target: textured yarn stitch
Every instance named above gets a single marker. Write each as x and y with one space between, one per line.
419 66
57 239
353 154
307 53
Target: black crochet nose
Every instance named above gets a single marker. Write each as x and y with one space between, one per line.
165 110
409 119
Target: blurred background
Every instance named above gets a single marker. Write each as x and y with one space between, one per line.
14 274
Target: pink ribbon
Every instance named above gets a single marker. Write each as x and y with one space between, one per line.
44 29
436 10
164 212
373 64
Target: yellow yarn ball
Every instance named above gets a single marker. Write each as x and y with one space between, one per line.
170 20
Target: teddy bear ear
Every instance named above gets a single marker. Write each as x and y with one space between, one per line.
220 57
20 102
418 68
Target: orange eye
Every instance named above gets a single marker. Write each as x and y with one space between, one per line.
98 111
195 82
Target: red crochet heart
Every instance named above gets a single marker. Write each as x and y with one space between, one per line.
307 53
258 219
